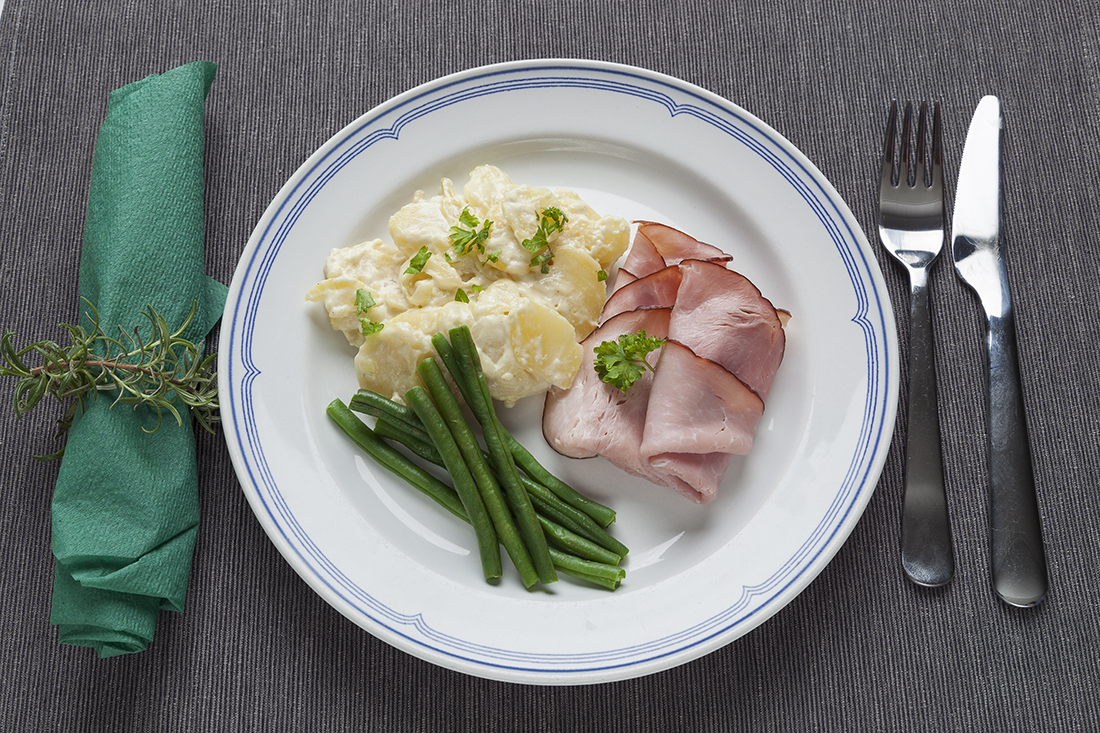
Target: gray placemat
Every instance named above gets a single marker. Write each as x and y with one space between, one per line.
861 648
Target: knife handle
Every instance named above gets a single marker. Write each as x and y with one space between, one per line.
926 554
1018 558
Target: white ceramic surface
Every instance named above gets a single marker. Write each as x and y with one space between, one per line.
639 145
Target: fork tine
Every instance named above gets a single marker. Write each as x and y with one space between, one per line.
920 178
903 164
887 177
937 149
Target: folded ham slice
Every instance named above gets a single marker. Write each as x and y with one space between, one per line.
722 316
697 406
699 415
657 246
695 475
719 314
656 290
593 418
673 246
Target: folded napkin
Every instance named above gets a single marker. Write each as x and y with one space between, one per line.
125 508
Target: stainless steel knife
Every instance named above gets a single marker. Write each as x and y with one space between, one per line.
1018 559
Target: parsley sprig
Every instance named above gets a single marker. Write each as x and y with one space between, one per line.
551 221
621 362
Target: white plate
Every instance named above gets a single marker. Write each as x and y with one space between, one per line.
639 145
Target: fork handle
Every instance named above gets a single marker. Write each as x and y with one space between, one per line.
926 553
1018 559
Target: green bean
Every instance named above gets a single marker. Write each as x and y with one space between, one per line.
601 514
450 360
487 542
376 405
602 582
572 564
548 503
573 543
506 471
419 443
392 460
562 516
432 487
486 482
552 498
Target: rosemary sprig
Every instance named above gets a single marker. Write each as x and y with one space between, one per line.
159 373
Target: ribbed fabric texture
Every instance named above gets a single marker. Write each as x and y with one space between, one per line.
861 649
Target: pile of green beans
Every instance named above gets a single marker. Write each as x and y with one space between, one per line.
511 501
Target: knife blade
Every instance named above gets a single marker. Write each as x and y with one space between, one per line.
1018 560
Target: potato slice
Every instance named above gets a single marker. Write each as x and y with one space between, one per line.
574 289
545 344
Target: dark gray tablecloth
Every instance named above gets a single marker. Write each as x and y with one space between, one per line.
861 649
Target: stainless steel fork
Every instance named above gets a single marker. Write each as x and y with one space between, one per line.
911 228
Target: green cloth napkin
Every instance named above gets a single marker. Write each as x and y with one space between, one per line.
125 508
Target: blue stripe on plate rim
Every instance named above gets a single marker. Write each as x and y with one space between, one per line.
503 78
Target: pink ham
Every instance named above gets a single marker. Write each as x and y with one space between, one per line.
697 406
694 475
643 258
699 414
722 316
657 246
673 246
593 418
622 279
657 290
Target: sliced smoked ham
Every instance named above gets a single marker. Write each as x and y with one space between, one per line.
642 258
722 316
657 246
695 475
698 416
698 406
657 290
673 246
593 418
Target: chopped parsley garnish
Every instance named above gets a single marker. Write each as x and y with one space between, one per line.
416 264
363 302
465 241
551 221
621 362
462 297
369 327
601 276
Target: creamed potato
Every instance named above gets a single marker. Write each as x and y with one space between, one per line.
527 324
